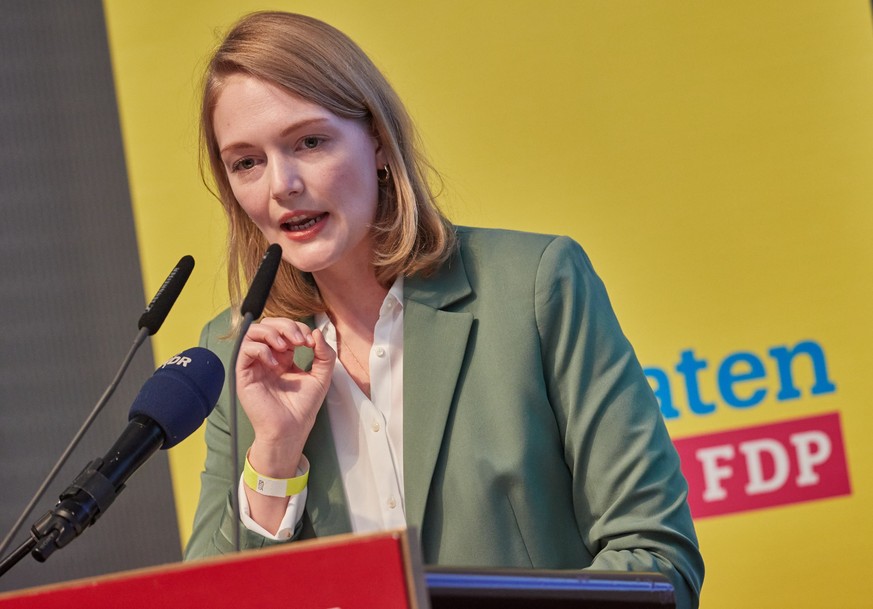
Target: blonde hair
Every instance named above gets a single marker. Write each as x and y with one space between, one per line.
317 62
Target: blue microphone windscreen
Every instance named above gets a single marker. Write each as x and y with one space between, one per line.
181 393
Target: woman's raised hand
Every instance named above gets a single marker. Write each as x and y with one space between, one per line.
281 399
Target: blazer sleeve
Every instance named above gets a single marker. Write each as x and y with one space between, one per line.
213 521
630 498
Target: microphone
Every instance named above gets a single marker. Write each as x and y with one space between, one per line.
251 309
158 309
170 406
149 323
259 290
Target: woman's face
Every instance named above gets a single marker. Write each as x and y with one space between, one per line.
305 176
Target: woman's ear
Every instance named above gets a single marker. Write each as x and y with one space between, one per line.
381 157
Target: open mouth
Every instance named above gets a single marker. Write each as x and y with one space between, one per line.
301 223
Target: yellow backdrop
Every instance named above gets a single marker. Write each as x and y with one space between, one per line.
714 159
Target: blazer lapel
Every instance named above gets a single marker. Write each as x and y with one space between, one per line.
434 344
326 504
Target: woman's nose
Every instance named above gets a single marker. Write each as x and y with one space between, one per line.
285 179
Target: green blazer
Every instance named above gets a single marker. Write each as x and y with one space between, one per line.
531 436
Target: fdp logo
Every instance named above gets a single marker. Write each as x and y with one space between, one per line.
764 466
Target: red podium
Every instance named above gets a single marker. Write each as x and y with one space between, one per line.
343 572
376 571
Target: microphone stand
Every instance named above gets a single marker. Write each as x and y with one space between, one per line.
58 527
169 407
247 320
149 323
20 552
101 403
251 309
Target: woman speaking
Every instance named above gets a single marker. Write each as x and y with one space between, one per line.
471 383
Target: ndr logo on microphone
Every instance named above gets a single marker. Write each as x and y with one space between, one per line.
177 360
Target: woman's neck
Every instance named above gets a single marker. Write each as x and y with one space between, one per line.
353 299
353 302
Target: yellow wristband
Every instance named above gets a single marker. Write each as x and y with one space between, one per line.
272 487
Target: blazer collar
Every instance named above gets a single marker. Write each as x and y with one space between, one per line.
326 510
442 289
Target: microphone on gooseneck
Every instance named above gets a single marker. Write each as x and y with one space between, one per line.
170 406
259 290
158 309
149 323
251 309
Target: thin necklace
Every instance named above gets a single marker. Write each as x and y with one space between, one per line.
339 348
352 353
364 386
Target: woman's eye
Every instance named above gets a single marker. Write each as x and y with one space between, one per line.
244 164
311 142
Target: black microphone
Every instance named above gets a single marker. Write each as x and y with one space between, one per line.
259 290
170 406
158 309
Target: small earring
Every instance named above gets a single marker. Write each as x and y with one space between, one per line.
384 175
